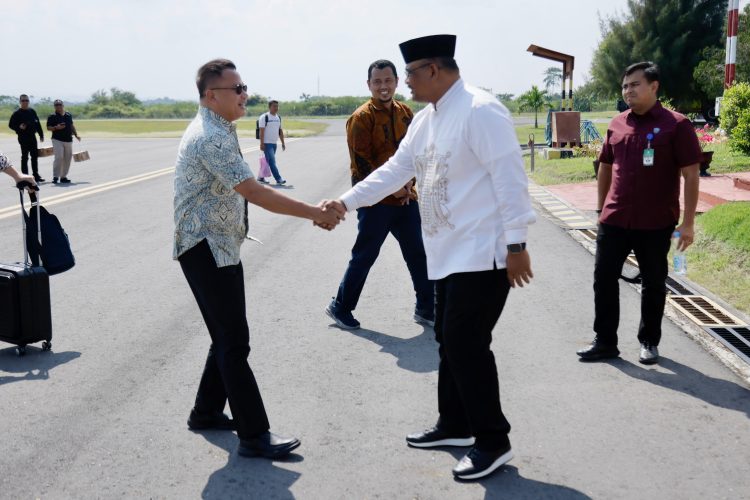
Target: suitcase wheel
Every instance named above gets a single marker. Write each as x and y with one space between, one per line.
21 350
46 346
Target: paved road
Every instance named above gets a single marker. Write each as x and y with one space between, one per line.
103 415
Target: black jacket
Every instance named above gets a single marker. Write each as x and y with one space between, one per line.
29 117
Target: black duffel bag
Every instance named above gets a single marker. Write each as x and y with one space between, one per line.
56 255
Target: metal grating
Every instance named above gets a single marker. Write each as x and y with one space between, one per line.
589 234
704 312
676 288
736 340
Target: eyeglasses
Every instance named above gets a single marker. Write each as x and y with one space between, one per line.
238 89
411 71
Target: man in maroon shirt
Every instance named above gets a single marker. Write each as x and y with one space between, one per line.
646 150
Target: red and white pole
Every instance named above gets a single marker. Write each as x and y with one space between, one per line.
733 22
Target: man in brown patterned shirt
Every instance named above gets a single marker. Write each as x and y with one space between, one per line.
373 134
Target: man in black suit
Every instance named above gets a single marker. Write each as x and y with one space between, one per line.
25 123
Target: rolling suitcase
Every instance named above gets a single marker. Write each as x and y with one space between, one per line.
25 311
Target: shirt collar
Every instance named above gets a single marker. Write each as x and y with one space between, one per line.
651 114
379 105
209 115
459 84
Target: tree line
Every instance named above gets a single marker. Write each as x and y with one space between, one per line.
117 103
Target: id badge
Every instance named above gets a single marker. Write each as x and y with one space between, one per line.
648 157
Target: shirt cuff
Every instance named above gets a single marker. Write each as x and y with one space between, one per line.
516 235
350 200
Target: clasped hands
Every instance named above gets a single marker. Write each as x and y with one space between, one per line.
331 213
404 195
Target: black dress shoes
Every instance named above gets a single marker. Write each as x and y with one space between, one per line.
598 350
437 437
267 445
478 463
213 421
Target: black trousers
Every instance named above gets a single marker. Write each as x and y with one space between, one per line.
220 293
613 244
29 148
468 306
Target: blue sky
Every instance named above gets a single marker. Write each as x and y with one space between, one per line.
71 48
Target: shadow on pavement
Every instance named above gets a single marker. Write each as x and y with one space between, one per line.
506 483
417 354
35 365
714 391
66 185
247 477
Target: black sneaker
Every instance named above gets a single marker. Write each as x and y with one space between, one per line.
262 180
64 180
649 354
281 182
478 463
437 437
54 180
38 178
343 319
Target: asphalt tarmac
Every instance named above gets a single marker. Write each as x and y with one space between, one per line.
103 415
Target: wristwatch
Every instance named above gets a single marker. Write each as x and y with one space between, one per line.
516 247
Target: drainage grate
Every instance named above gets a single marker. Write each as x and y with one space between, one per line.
676 288
589 233
704 312
736 339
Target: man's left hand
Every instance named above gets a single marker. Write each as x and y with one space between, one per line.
687 235
518 266
283 146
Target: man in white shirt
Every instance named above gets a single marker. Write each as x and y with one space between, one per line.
475 211
269 124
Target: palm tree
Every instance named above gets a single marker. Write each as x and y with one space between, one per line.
552 77
533 99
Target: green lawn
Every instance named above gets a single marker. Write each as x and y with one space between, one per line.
175 128
725 160
720 257
567 171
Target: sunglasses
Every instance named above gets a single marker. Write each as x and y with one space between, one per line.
238 89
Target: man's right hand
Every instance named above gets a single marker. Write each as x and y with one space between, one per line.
27 178
330 215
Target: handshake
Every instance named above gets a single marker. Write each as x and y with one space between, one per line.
329 214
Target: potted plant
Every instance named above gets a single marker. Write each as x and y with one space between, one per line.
706 139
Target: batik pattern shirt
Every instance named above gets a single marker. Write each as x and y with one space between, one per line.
206 206
4 162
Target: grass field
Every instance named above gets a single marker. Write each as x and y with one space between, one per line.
720 257
175 128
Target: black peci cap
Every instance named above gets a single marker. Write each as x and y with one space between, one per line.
427 47
57 101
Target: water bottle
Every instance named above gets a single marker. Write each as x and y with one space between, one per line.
679 259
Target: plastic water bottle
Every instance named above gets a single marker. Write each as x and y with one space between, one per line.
679 259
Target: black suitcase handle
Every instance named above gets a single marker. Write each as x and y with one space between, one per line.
34 201
26 184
